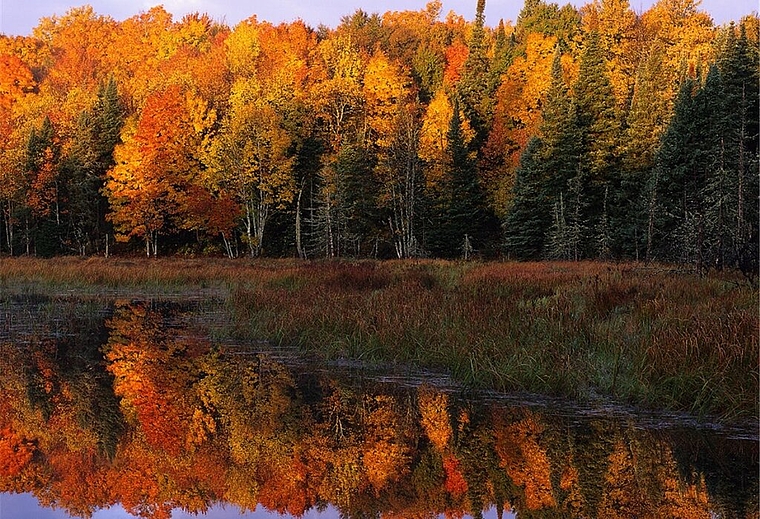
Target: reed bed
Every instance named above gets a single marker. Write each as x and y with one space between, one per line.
651 336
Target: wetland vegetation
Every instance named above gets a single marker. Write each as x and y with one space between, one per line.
653 336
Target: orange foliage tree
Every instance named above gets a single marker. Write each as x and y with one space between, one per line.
156 165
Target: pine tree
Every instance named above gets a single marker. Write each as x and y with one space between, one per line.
645 124
691 175
96 135
461 214
560 159
528 220
667 184
364 219
474 88
560 133
600 130
738 64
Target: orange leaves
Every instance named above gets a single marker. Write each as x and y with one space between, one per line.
43 192
157 164
456 55
434 140
150 380
526 461
16 80
687 33
385 89
16 453
523 90
435 419
385 456
455 482
79 41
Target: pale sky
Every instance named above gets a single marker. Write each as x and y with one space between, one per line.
18 17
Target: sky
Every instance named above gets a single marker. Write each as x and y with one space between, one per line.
18 17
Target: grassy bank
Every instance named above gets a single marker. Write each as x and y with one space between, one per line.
646 335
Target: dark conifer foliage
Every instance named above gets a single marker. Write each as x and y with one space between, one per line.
85 166
528 222
462 223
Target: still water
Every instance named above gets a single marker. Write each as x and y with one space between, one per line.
151 409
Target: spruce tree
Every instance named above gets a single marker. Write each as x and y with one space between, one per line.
97 133
599 132
529 219
668 182
461 215
359 208
560 160
738 64
474 87
645 124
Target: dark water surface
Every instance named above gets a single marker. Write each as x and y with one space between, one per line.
153 409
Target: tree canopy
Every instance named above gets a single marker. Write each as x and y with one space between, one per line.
397 134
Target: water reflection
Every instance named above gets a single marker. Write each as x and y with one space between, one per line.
130 409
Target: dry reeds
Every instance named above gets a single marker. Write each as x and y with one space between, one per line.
639 334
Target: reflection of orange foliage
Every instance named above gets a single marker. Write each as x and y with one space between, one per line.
284 488
682 500
621 497
569 483
455 482
46 370
156 411
81 480
15 453
433 407
152 377
384 461
526 462
137 484
385 456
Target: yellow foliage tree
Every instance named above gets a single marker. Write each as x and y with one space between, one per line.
250 158
618 30
435 420
434 140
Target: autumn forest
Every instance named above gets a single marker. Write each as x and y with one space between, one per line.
585 133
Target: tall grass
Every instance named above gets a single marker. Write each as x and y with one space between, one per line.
644 335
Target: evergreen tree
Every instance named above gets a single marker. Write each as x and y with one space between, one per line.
738 64
462 219
691 175
599 131
473 88
668 182
560 157
528 220
96 135
44 198
364 219
646 122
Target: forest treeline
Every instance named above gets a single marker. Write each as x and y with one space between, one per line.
596 132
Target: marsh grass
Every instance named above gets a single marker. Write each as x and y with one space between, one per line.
646 335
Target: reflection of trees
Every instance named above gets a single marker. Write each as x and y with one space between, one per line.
144 414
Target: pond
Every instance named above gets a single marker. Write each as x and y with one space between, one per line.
151 408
